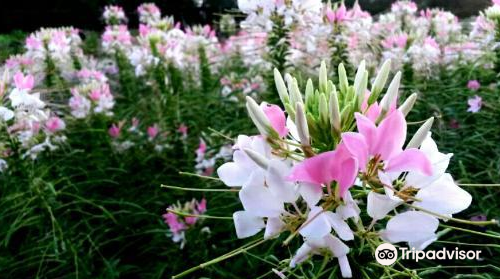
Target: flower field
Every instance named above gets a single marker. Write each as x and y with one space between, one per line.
288 139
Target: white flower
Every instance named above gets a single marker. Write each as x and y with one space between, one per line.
416 228
6 114
319 223
331 244
238 172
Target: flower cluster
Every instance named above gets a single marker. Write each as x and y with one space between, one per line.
332 158
91 95
177 224
27 120
126 137
206 160
425 40
114 15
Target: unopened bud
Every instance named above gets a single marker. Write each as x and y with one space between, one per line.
421 134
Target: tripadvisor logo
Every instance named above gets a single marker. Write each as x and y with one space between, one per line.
387 254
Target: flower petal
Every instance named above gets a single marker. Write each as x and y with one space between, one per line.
410 160
439 163
275 178
357 146
247 224
390 135
311 193
276 117
274 226
258 199
339 226
443 196
317 224
412 227
379 205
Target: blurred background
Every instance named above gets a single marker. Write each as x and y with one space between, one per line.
28 16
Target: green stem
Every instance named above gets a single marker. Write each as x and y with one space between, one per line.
183 214
475 223
224 257
198 189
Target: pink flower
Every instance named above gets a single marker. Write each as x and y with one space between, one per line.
496 2
115 130
473 84
330 15
190 220
153 131
173 222
33 43
430 41
24 82
277 118
475 104
201 206
202 148
385 143
338 16
337 165
135 122
55 124
183 129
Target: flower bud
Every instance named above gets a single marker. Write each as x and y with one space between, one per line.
281 87
406 107
295 96
334 111
258 116
343 81
323 109
421 134
309 91
260 160
323 77
301 123
359 74
391 94
379 83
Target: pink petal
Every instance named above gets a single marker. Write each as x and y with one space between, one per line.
357 146
315 170
410 160
347 169
391 135
338 165
277 118
367 128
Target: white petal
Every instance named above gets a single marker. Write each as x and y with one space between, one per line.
6 114
345 268
422 244
258 199
247 224
340 226
260 145
443 196
301 255
410 226
336 246
378 205
292 129
317 224
232 174
349 209
278 185
273 227
438 160
311 193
